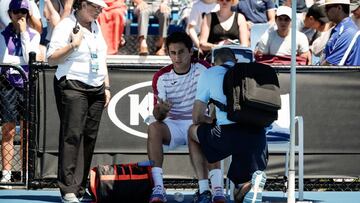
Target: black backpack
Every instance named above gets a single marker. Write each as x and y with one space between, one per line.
252 93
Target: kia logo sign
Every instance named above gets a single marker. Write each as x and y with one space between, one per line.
139 110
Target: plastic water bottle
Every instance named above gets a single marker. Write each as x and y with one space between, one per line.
179 197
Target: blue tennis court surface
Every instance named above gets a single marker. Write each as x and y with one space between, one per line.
44 196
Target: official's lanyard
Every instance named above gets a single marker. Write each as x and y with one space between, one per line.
93 49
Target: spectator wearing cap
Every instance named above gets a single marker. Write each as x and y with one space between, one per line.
316 19
301 9
277 43
341 36
355 10
17 40
33 19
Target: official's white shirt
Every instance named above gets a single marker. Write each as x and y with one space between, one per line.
77 65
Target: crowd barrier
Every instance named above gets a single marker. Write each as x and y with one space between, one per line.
15 153
327 98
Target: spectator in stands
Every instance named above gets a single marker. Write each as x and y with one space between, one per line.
161 10
17 40
275 46
112 21
54 11
211 140
301 8
355 10
198 10
224 27
82 90
184 13
174 88
262 11
33 19
316 19
341 36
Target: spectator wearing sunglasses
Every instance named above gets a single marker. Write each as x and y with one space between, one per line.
34 19
224 27
339 49
82 91
17 40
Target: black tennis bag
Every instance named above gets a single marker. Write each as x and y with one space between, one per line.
252 93
121 183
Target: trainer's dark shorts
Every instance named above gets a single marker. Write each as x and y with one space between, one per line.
247 145
11 102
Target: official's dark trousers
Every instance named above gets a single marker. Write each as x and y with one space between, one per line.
80 107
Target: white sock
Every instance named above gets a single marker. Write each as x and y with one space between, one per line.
6 175
203 185
216 178
157 175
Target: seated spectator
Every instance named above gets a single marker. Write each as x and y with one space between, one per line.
275 46
340 41
112 21
224 27
143 10
17 40
262 11
355 10
316 19
301 8
198 10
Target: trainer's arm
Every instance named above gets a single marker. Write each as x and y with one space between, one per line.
199 113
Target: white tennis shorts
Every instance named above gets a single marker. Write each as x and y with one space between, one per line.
179 132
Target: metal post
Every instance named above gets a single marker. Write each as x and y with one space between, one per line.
291 180
32 123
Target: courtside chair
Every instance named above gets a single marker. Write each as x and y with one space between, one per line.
242 54
278 138
257 30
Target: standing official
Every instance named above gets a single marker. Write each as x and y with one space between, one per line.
82 91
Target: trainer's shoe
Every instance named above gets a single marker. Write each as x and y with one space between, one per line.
69 198
158 195
240 192
218 195
204 197
257 185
